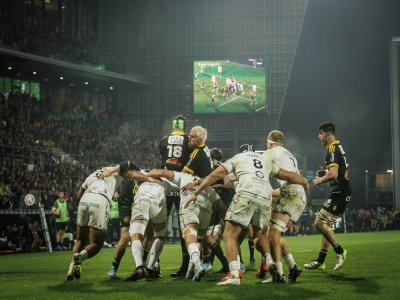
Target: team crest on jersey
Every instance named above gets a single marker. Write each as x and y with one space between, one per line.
175 139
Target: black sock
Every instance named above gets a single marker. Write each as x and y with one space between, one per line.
338 249
217 250
185 256
212 256
322 256
251 248
145 254
115 263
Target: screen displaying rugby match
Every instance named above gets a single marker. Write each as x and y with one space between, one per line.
230 86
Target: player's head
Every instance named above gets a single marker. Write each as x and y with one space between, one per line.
246 147
326 133
179 122
216 154
275 137
61 195
197 136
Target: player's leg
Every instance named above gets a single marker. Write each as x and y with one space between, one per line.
119 251
278 224
81 239
231 235
137 231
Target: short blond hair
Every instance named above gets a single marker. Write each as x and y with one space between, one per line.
200 132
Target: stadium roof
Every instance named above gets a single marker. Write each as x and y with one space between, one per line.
40 69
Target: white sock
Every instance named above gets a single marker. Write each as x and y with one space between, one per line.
137 252
155 252
194 254
83 255
279 267
289 259
71 265
234 269
268 259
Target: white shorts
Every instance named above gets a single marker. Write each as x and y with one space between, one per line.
214 229
196 213
292 201
93 211
248 209
149 209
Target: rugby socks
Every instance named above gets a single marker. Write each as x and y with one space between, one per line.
185 256
145 254
137 252
251 249
194 254
322 256
234 269
217 250
155 252
83 255
279 267
338 249
289 259
268 260
115 263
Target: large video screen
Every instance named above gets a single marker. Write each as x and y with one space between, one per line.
230 86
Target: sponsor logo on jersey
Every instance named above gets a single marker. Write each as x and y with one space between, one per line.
175 139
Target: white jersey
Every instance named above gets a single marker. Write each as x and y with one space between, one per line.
252 171
156 191
208 196
283 158
106 187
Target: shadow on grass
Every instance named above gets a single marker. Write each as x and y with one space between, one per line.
363 285
183 289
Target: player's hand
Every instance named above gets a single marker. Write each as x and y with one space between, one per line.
317 181
307 187
187 187
192 198
216 186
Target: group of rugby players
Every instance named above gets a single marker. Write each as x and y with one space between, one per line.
199 185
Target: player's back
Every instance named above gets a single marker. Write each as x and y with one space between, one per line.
174 150
252 170
283 158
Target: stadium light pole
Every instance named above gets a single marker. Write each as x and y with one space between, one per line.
366 188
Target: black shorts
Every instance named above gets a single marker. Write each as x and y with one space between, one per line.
61 225
174 199
336 204
124 215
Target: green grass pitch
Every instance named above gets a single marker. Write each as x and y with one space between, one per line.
239 103
371 271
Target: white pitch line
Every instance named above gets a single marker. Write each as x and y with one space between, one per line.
260 108
229 101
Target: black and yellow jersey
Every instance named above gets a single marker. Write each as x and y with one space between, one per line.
174 150
128 191
336 157
200 163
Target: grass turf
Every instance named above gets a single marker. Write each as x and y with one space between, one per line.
371 271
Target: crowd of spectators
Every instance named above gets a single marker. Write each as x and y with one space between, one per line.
28 28
359 220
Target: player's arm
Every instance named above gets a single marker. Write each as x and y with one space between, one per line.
54 209
158 173
332 174
294 178
79 193
217 174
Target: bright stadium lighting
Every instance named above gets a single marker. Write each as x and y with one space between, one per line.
61 78
111 88
86 83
